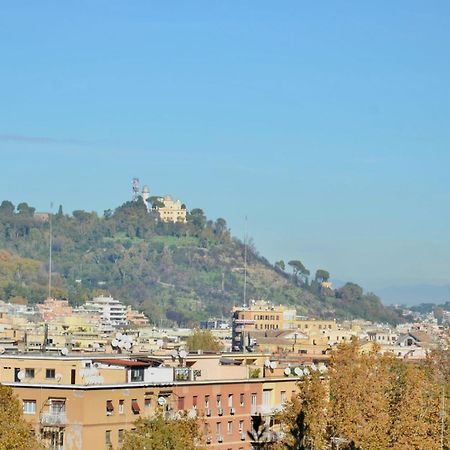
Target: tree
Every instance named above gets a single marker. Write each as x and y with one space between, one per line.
322 275
258 434
280 265
203 340
6 208
15 432
158 433
305 415
299 270
24 210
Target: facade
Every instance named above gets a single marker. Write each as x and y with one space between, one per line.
53 309
172 211
111 311
80 402
261 316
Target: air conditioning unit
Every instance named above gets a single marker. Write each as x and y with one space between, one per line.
220 438
232 411
220 411
207 412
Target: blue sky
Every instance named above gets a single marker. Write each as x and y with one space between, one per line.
326 123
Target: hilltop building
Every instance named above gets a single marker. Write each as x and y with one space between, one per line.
169 210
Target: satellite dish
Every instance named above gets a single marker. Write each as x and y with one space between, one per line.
313 367
118 336
174 353
2 350
21 375
183 354
159 343
306 371
58 377
121 344
64 351
298 371
287 371
127 345
267 362
161 401
96 345
273 365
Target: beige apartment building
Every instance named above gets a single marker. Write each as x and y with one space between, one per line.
262 316
88 402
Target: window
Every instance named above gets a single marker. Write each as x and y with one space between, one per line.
29 373
137 374
266 398
108 437
109 407
230 427
206 401
29 406
147 403
194 401
134 406
241 426
49 373
57 406
120 437
283 397
219 400
241 399
230 400
121 406
218 428
253 404
180 403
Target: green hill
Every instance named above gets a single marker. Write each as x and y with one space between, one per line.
175 272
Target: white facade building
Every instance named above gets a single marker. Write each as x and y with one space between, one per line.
110 310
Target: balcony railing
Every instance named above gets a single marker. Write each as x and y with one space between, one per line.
49 419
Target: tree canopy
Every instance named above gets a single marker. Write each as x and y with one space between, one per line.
159 433
15 432
203 340
370 401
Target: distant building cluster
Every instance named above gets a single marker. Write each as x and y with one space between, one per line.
84 375
169 210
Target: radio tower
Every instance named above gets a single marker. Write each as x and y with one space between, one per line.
136 189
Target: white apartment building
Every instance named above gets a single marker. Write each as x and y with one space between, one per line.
111 311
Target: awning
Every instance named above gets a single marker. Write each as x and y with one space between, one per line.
135 407
109 406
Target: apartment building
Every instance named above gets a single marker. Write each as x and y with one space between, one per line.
80 402
262 316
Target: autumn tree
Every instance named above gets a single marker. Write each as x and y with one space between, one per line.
203 340
15 432
158 433
415 408
305 415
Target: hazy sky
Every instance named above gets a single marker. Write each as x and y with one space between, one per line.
326 123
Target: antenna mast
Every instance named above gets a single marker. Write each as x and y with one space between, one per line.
50 254
245 263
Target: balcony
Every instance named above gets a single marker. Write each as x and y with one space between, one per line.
50 419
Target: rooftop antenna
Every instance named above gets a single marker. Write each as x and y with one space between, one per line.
136 189
245 263
50 253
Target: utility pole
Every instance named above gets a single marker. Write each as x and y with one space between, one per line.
50 253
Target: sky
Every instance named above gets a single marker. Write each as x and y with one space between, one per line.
324 123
